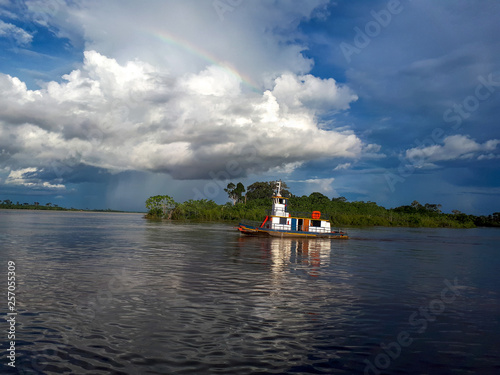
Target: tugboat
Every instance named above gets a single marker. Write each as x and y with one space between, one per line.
281 223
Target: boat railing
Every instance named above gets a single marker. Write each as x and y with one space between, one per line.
300 228
300 214
285 227
303 228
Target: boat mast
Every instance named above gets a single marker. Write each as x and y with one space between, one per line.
279 203
278 188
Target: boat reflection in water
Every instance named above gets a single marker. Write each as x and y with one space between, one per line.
308 254
302 286
294 254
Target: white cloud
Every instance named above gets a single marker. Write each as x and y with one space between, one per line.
17 177
488 157
133 116
322 185
5 13
315 93
159 95
258 39
8 30
342 166
454 147
213 81
28 177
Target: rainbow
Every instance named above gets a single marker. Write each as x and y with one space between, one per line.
187 46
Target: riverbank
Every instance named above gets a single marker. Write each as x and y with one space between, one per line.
54 208
341 213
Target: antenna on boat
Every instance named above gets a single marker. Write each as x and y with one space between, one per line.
278 188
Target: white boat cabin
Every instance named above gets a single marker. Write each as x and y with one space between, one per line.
280 219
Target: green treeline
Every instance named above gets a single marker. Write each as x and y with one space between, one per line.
256 204
8 204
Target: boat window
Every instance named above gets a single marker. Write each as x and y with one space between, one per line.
283 220
315 223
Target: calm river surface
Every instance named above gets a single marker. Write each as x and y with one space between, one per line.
102 293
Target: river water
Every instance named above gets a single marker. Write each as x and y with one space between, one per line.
105 293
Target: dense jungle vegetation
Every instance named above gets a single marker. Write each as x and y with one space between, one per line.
256 203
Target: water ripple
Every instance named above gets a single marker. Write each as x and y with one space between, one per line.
114 293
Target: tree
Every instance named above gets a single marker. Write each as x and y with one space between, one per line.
160 206
259 190
235 192
417 206
496 217
339 199
433 207
197 209
319 199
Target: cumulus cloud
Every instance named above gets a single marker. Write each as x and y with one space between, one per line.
454 147
8 30
157 95
134 116
306 90
322 185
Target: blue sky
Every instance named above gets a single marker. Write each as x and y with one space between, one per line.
107 103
